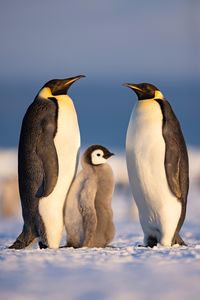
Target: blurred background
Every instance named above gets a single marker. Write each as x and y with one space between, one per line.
111 42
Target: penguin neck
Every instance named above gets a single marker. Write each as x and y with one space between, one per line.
100 169
93 168
46 93
85 165
158 95
145 103
146 111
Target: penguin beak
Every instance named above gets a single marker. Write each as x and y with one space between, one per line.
136 88
107 155
62 86
132 86
69 81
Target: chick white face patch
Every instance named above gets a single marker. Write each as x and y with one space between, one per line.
97 157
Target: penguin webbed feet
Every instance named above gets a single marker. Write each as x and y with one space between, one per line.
73 245
178 240
42 245
23 240
151 241
18 245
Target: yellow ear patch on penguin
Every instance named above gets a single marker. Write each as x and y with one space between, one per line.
158 95
45 93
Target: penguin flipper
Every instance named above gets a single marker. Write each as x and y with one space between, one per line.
176 157
46 151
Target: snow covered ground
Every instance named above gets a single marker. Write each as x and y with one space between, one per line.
122 271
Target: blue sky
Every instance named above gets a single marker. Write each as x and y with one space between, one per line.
111 42
99 38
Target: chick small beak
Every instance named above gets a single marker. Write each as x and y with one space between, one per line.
107 155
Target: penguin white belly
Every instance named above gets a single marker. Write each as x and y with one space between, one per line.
67 143
159 209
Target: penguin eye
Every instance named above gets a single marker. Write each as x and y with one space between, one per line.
98 154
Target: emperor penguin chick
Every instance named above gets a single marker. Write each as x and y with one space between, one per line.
88 212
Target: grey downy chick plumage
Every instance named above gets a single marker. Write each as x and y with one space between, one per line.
88 211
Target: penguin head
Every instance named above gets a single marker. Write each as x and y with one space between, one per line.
145 91
97 155
56 87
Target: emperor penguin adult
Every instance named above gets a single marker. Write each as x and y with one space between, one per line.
47 162
157 163
88 212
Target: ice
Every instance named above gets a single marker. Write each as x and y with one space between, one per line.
122 271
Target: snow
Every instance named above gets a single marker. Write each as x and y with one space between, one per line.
122 271
8 163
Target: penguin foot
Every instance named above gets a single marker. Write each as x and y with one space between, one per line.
18 245
152 241
74 245
65 246
111 246
22 242
26 237
42 246
178 240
